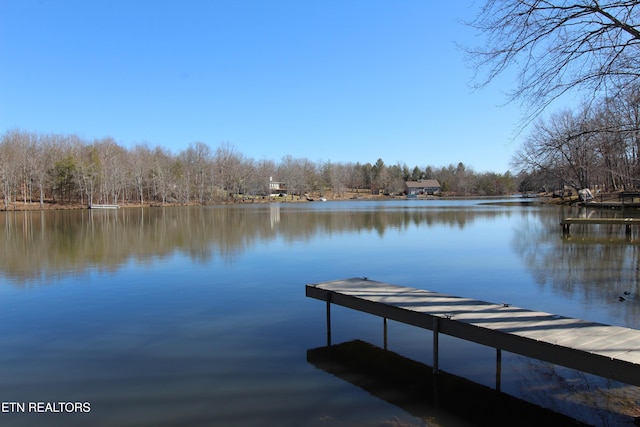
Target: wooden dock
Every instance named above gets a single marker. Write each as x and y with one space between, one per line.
628 195
627 222
608 351
104 206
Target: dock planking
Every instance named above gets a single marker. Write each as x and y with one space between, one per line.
627 222
608 351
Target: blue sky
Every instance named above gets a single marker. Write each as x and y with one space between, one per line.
338 80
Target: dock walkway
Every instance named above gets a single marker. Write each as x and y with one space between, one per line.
627 222
608 351
628 195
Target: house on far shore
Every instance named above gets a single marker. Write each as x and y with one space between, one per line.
424 186
277 188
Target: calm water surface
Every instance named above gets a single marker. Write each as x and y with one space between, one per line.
197 315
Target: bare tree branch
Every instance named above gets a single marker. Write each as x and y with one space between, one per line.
558 46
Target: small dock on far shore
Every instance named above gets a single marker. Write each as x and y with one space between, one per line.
627 222
104 206
608 351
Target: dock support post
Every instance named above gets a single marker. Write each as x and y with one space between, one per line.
385 332
627 231
498 367
329 319
435 345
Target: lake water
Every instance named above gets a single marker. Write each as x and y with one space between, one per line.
189 316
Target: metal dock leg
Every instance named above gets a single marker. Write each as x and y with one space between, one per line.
498 368
329 319
385 332
435 345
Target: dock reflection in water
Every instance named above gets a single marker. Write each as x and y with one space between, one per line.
443 399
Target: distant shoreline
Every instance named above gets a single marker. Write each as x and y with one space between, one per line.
608 201
347 196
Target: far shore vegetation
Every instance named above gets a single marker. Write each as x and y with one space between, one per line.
53 171
44 171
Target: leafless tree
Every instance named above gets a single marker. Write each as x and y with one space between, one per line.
597 146
25 145
161 174
140 166
559 46
42 158
112 160
291 171
227 162
312 179
565 147
621 121
88 171
198 162
614 145
356 177
339 178
9 165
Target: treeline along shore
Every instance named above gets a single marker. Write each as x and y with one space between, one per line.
40 171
